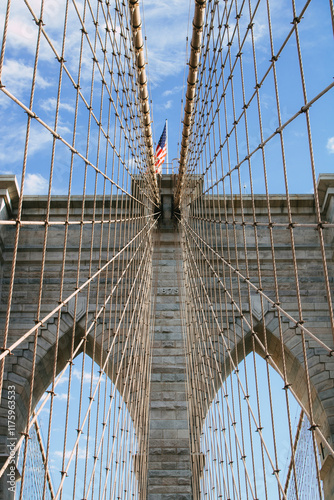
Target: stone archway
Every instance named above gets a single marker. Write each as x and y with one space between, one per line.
321 394
19 368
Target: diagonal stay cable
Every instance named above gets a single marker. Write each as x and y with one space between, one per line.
103 368
78 290
75 352
317 430
32 114
258 427
260 292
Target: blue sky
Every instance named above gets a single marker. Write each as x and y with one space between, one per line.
103 409
166 55
246 432
166 26
166 33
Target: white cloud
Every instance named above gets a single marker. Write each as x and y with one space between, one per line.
168 104
81 453
5 102
172 91
259 31
35 184
166 37
62 380
86 377
12 139
62 396
17 77
22 29
21 34
45 410
330 145
7 172
65 130
281 15
39 138
50 105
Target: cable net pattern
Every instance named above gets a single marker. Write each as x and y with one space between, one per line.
77 311
82 140
307 487
34 475
249 295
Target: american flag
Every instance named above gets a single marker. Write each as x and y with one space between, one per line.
161 151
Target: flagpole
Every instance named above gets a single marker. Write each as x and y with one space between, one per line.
167 146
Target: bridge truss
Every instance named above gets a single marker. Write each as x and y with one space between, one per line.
78 305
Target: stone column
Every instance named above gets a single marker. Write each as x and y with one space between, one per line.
169 475
327 476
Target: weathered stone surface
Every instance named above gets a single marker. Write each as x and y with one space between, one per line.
170 469
169 434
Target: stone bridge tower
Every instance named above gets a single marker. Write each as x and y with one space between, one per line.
172 458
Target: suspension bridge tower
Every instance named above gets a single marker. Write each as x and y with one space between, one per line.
166 336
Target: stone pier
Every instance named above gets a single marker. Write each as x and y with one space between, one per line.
169 475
